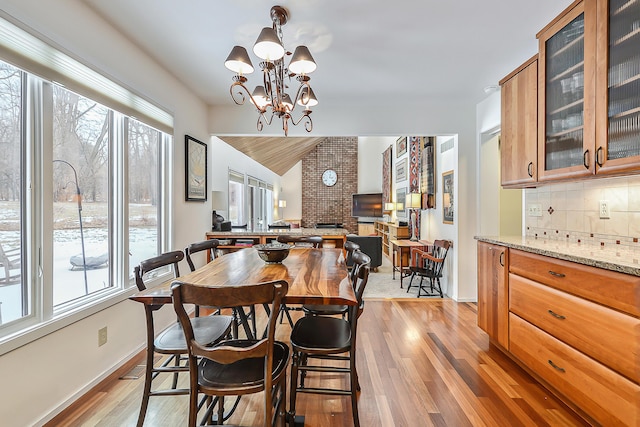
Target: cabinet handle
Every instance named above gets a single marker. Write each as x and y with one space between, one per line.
553 273
530 169
502 259
556 315
556 367
585 159
599 156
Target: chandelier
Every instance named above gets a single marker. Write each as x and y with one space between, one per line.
271 98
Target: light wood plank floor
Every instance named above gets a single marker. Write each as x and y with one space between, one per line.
421 363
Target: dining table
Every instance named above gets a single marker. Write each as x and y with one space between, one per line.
314 276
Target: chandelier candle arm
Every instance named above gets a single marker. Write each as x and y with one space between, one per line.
271 98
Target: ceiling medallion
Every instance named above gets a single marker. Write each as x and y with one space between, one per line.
271 98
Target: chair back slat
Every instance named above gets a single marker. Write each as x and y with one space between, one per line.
313 241
166 259
206 245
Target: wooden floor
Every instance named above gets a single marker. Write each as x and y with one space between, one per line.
421 363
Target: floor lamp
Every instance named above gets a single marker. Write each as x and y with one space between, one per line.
413 202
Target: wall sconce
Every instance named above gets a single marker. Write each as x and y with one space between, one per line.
282 204
413 202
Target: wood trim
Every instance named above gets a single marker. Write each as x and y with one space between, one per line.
517 70
558 19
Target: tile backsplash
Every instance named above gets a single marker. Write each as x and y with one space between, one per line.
572 211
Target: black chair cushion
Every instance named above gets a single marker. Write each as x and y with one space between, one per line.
243 373
207 330
328 334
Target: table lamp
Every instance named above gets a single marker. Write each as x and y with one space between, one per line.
388 208
413 202
218 203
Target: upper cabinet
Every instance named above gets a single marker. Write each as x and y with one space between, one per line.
519 133
566 94
618 87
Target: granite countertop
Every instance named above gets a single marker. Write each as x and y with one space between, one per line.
615 257
279 231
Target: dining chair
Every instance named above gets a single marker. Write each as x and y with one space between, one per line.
429 264
235 367
301 241
240 317
328 339
334 309
171 341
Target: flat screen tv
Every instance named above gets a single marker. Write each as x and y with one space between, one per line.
367 205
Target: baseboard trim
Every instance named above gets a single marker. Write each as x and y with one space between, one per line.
86 393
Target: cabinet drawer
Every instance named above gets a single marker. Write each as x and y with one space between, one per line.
607 335
616 290
609 398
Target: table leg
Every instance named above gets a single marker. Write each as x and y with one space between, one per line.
400 269
393 261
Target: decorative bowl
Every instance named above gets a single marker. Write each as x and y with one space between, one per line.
273 253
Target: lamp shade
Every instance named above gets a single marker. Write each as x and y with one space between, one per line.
399 206
282 203
388 207
260 97
238 61
218 201
268 45
308 98
413 201
286 100
302 62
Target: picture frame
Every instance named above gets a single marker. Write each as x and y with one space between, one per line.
448 205
195 179
401 194
401 146
401 170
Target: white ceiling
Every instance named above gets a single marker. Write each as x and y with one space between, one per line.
401 52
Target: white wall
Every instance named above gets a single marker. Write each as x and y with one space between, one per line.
291 184
370 151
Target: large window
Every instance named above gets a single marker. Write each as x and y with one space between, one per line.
236 198
82 196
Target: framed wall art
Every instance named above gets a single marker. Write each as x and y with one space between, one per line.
447 197
195 169
401 194
401 146
401 170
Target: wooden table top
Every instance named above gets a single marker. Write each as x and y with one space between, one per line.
406 243
315 276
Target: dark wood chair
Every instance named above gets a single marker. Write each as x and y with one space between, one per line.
171 341
301 241
333 309
240 317
429 264
325 337
235 367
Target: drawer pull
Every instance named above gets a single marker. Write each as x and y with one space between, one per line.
556 315
553 273
556 367
501 259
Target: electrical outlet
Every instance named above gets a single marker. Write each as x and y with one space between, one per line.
102 336
534 209
604 209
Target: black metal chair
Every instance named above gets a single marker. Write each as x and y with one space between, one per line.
235 367
429 264
171 341
334 309
329 338
239 315
301 241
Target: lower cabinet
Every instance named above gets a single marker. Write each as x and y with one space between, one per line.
574 327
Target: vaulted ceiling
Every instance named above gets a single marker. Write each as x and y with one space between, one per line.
279 154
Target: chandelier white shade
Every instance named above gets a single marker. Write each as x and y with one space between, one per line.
271 98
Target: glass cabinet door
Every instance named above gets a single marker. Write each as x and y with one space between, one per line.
619 137
566 95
